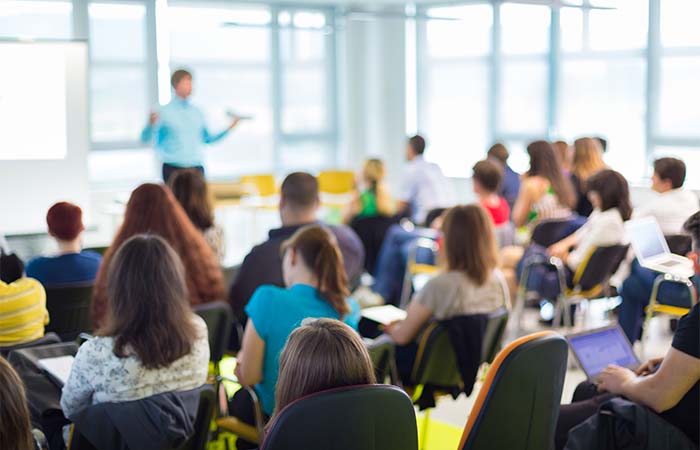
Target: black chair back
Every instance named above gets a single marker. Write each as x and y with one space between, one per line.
493 336
518 405
219 319
436 362
382 352
230 274
602 264
47 339
680 244
371 231
98 250
69 309
377 417
205 413
548 232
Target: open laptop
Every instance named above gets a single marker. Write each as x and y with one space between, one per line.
652 251
597 349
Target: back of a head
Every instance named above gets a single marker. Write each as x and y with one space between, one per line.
322 354
320 253
299 191
148 302
488 174
692 227
544 162
417 143
588 158
470 242
672 169
499 152
65 221
562 149
373 172
614 192
15 428
190 189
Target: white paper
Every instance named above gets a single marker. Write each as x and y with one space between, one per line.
384 314
58 367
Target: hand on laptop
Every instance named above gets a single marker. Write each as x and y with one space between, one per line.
649 367
613 379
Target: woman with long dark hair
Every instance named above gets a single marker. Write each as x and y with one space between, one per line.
153 209
151 341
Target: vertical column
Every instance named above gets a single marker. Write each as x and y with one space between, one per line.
653 77
554 65
495 79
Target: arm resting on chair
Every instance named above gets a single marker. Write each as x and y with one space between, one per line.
405 331
250 359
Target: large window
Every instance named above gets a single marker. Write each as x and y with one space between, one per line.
48 19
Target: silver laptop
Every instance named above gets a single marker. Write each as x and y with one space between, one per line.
652 251
597 349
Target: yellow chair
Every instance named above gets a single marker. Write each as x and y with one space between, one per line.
336 182
263 185
420 270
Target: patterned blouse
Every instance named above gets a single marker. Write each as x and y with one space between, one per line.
98 376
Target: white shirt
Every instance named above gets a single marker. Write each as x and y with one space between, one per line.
424 187
602 229
99 376
671 209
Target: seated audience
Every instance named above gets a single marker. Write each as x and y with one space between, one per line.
544 193
486 179
588 160
670 208
608 192
423 186
153 209
316 286
71 265
669 386
470 284
11 265
375 199
23 313
190 190
511 179
15 428
151 342
564 151
299 203
322 354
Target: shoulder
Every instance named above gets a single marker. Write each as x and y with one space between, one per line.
91 256
266 293
444 280
36 263
344 232
96 350
24 286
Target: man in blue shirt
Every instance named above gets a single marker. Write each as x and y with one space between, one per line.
71 265
511 180
179 130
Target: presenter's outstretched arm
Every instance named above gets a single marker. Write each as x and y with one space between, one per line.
209 138
149 131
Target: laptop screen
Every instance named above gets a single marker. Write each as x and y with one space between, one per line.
600 348
646 238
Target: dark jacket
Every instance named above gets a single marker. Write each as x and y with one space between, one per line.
160 422
510 186
624 425
263 265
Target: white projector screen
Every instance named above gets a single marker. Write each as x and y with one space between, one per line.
44 136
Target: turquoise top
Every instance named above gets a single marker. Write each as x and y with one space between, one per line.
180 133
275 313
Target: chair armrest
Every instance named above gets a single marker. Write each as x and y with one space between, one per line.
239 428
257 410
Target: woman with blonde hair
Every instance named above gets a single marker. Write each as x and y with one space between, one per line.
470 284
322 354
587 161
316 287
375 199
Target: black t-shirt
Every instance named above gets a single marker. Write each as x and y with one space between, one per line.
686 414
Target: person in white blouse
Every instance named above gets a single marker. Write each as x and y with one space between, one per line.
151 343
672 205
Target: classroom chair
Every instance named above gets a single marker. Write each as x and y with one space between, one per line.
371 231
590 281
336 182
416 273
657 307
680 244
436 367
550 231
382 351
47 339
69 309
262 185
378 417
518 404
99 250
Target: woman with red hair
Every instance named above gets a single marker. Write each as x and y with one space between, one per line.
152 209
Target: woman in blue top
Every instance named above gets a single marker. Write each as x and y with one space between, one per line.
316 288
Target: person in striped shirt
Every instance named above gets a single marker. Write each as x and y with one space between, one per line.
23 313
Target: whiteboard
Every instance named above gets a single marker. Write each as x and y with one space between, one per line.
44 134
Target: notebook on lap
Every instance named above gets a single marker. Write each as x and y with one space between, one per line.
597 349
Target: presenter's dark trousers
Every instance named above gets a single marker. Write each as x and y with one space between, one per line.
169 170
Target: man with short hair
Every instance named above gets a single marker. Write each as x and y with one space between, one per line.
298 206
511 180
670 208
71 265
424 187
179 129
487 178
